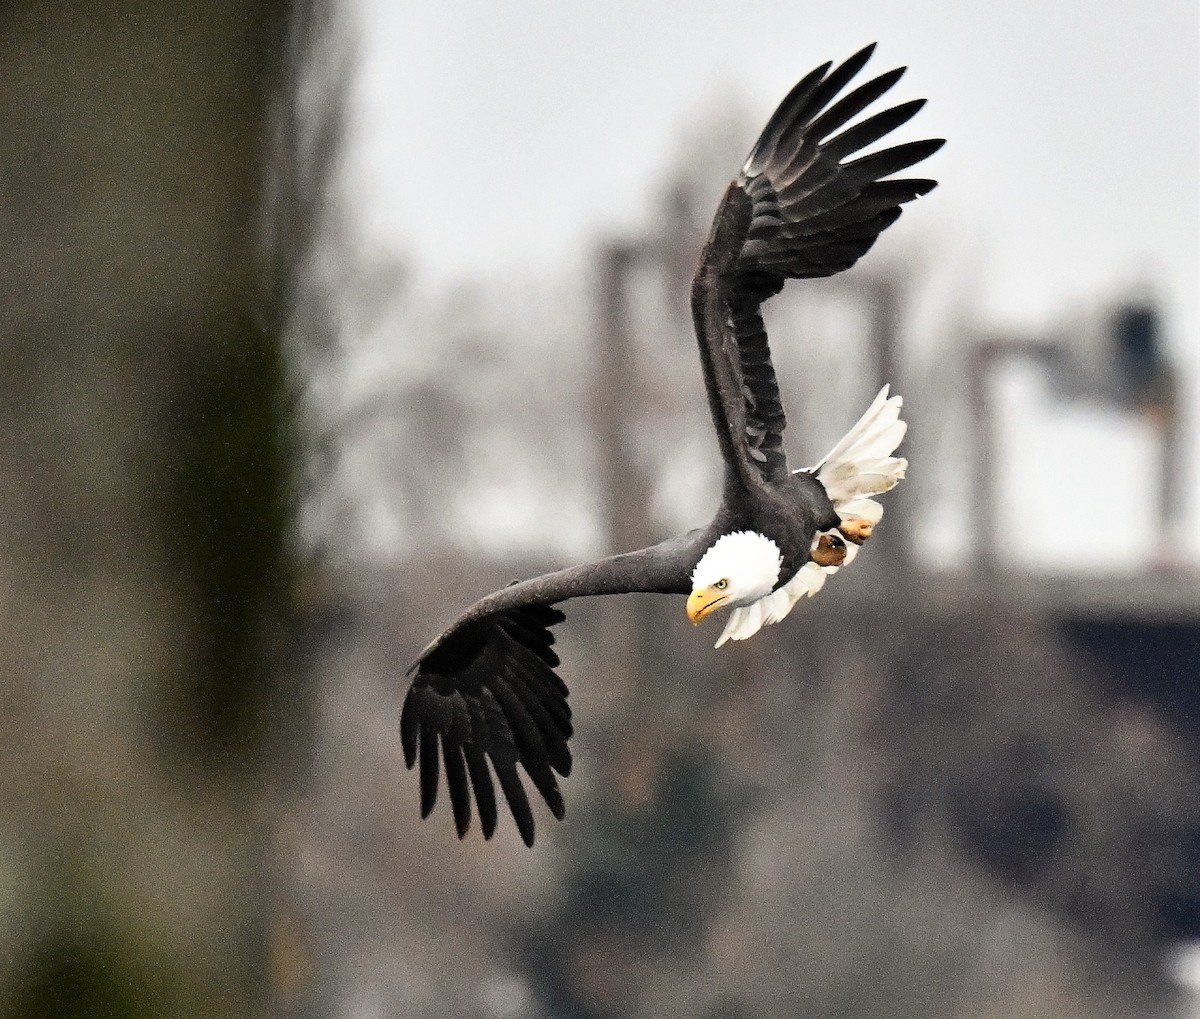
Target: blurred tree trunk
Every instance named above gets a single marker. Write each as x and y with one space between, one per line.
144 492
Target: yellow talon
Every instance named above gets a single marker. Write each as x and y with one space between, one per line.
856 529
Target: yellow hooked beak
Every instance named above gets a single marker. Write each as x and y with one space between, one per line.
703 600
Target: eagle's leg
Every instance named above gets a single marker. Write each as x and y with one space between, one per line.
856 529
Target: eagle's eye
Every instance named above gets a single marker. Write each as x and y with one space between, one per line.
720 585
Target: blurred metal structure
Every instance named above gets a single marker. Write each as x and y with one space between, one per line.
983 359
617 383
1130 373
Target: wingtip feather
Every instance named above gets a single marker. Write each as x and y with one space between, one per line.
409 727
857 60
457 784
429 770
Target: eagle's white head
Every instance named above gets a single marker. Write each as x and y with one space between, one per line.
738 569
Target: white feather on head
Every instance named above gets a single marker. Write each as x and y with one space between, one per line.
748 560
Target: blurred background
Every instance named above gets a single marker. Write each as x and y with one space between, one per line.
322 319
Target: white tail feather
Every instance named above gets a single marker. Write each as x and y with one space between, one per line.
860 427
867 509
862 462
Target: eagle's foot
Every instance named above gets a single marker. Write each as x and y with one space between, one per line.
856 529
830 550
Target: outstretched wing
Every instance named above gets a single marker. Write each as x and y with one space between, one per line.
797 210
487 691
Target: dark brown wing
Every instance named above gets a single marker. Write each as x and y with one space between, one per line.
490 692
487 691
795 211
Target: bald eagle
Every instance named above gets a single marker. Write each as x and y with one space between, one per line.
486 690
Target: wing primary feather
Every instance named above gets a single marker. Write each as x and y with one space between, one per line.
518 802
853 103
558 708
529 674
551 698
552 738
889 161
456 782
553 741
764 149
872 129
525 732
874 199
429 768
410 726
485 792
834 82
543 779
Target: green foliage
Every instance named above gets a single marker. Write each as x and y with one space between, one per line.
75 977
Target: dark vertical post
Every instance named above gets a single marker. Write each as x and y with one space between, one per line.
1145 383
616 385
982 490
895 533
1173 468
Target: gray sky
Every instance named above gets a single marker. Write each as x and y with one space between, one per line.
500 138
506 133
